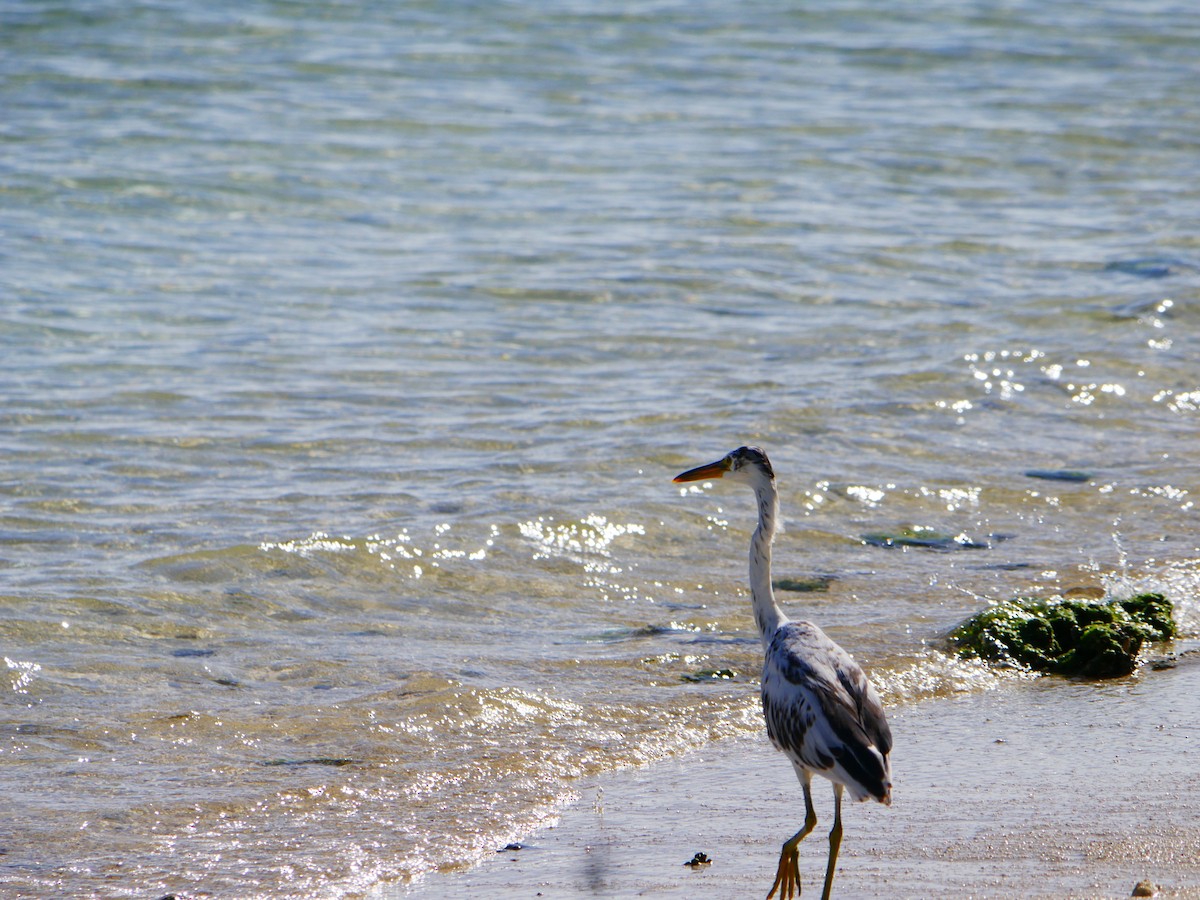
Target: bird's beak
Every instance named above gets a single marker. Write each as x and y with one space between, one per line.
702 473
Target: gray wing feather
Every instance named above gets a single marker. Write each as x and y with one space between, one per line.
822 711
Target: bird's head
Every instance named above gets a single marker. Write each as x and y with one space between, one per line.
746 464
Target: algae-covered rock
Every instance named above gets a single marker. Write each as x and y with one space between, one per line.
1067 637
1155 611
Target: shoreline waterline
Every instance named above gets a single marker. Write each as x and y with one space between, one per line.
1044 789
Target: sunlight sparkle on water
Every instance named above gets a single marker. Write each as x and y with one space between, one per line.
387 550
317 542
1004 373
1087 394
1167 492
591 535
715 522
1179 401
993 369
954 498
22 674
867 496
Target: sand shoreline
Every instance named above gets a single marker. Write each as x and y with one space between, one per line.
1048 788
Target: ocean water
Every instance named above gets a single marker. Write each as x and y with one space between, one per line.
348 352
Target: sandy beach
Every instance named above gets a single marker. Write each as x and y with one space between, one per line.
1044 788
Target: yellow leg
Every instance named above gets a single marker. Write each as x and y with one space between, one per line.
835 841
787 876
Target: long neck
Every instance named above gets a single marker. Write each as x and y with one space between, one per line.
767 614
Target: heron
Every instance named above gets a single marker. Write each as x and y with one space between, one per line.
821 710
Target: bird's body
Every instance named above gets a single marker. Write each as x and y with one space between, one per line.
823 713
820 708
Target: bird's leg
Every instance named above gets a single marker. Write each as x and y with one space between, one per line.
787 876
835 840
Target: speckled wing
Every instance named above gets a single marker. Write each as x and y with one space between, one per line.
823 712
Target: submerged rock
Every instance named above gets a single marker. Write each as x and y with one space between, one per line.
1067 636
1058 474
1173 660
1151 267
925 537
816 584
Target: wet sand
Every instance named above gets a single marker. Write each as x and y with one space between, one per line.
1044 788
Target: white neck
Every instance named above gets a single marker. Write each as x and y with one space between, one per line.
767 614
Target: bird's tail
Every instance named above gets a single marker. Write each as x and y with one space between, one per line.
870 773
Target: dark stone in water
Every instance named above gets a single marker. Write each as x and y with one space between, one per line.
1143 268
1065 636
1173 660
816 584
1059 474
626 634
926 538
511 848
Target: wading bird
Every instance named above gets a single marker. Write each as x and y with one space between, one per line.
820 708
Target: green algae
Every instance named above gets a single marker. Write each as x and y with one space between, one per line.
1066 636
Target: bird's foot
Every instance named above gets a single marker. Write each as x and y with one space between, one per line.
787 876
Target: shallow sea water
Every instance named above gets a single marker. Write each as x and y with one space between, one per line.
348 353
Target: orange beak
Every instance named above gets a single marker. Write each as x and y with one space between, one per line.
703 473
